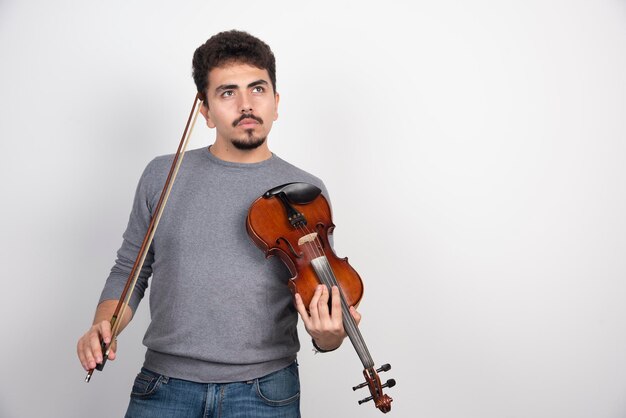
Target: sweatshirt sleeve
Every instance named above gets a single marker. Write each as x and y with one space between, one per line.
138 222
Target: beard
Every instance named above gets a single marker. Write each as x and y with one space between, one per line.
249 143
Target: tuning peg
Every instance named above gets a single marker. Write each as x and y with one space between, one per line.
362 385
384 368
389 384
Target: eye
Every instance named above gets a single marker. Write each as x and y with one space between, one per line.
228 93
258 89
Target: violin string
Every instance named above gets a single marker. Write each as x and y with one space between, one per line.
328 278
350 324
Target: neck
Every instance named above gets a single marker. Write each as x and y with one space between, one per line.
227 152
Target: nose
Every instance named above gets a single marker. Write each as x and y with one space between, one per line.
245 105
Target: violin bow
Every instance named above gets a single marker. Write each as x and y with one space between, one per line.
124 299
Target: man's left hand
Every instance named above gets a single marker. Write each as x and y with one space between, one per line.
324 325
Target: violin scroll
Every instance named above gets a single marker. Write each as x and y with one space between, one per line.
372 381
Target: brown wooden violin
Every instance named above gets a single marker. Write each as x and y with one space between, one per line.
293 222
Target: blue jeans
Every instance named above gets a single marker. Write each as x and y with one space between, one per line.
276 395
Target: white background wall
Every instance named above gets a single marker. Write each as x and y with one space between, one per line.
474 151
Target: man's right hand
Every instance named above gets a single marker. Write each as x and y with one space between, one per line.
89 345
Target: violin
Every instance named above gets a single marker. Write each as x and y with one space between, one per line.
293 221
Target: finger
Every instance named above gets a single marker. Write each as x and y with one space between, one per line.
105 336
336 306
105 331
302 311
315 317
355 314
95 350
87 357
82 357
113 350
322 304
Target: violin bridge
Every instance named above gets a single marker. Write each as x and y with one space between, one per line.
307 238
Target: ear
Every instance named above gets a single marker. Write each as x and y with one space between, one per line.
204 109
276 100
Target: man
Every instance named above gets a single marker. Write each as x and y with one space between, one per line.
222 339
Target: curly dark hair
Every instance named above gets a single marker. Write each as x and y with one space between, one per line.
231 47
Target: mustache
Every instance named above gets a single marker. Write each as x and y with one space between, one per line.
247 116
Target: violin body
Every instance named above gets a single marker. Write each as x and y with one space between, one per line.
272 232
293 221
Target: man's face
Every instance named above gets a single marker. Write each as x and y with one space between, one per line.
241 105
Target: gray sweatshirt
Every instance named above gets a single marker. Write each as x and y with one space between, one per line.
220 312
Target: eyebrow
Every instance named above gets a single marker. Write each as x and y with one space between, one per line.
235 86
258 83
